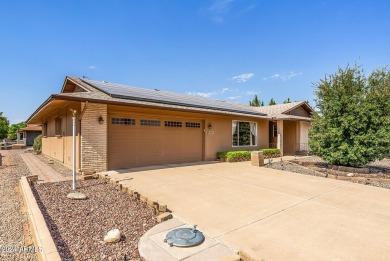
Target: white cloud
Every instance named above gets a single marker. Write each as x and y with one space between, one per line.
92 67
234 97
243 77
283 77
209 94
225 90
203 94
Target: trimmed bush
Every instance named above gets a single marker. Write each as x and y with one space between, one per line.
37 146
222 155
234 156
271 153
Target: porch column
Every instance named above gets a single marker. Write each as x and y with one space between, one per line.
280 136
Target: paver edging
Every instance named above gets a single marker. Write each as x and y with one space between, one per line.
44 243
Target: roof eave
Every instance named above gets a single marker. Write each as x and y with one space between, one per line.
48 100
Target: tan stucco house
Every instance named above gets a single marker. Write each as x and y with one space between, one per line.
121 126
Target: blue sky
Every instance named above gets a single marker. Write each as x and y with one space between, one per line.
222 49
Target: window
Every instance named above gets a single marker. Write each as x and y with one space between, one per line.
58 122
150 123
244 133
274 131
123 121
192 125
177 124
45 129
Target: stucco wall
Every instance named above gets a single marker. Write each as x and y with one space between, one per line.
289 137
59 147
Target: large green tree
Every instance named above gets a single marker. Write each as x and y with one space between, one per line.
14 128
4 123
352 124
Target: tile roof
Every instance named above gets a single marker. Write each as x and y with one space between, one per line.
31 128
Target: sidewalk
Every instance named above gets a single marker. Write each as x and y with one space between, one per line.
45 173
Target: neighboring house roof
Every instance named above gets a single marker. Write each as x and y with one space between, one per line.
31 128
281 111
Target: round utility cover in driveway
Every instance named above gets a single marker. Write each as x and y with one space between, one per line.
184 237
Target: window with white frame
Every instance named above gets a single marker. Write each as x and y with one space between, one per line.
244 133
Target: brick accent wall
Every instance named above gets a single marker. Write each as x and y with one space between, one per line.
94 137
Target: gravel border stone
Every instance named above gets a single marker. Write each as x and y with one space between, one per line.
318 164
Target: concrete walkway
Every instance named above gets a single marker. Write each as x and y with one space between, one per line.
45 173
272 214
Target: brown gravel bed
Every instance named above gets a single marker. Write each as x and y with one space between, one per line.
78 227
12 219
66 172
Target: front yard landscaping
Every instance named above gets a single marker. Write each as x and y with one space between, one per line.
375 174
78 227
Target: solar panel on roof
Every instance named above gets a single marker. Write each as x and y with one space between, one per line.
163 97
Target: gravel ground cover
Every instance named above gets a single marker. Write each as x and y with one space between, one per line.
56 165
79 226
11 218
380 169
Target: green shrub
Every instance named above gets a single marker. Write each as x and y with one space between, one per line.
37 146
222 155
234 156
271 153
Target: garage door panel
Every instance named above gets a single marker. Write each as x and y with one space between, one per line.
136 145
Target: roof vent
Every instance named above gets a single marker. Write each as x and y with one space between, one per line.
184 237
104 81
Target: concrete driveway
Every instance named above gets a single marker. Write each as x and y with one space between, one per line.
271 214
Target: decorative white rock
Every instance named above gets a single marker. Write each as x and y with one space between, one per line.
113 236
76 195
350 175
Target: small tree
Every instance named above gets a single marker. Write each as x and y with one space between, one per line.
352 126
4 123
13 129
272 102
255 102
262 103
287 101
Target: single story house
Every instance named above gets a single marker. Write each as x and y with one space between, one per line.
121 126
26 135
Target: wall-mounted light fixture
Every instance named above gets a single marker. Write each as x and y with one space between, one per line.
101 120
210 126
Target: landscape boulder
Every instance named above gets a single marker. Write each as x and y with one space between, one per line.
113 236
